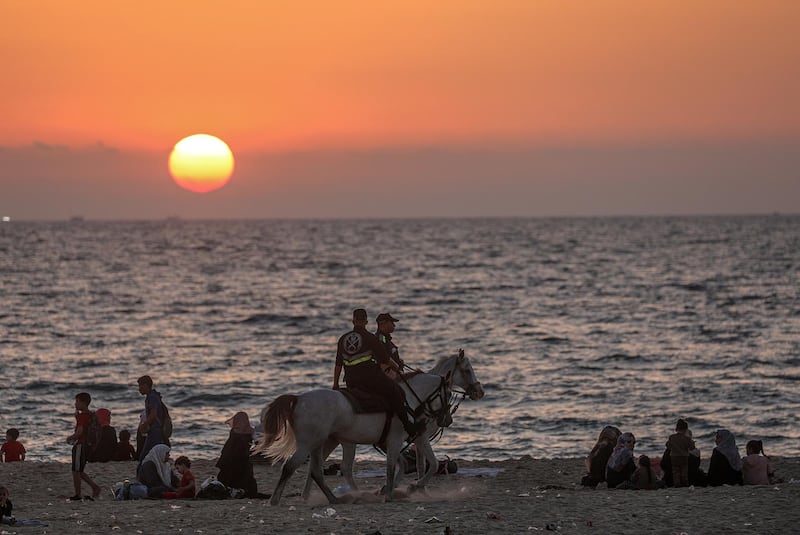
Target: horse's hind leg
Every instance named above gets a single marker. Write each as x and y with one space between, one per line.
289 467
315 470
330 445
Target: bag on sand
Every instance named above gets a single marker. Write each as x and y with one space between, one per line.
213 489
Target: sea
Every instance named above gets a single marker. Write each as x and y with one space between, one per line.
571 324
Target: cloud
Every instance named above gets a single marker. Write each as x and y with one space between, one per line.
440 181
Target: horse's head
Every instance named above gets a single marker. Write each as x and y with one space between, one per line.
463 375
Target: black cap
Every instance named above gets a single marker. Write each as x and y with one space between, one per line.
359 314
385 316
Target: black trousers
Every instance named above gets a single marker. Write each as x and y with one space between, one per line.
369 377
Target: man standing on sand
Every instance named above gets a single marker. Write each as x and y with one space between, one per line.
153 416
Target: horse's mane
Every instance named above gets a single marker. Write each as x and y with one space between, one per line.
412 373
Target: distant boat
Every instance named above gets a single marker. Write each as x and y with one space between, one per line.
76 219
6 219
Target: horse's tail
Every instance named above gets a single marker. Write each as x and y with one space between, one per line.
278 441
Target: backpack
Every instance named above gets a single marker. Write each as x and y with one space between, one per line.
166 424
93 432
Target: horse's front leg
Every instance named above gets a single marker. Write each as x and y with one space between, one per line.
425 453
394 442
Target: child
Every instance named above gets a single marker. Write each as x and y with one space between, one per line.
5 507
680 444
125 450
11 450
79 449
756 468
186 488
644 478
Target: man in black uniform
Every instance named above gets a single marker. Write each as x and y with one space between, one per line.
359 352
384 333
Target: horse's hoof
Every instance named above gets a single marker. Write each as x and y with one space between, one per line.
412 489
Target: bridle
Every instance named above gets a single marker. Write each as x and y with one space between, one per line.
449 397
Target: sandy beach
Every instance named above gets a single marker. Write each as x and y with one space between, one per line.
517 496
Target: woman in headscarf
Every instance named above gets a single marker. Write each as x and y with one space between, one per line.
104 451
621 464
725 466
156 473
598 457
235 468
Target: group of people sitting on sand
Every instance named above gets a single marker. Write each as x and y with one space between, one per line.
612 461
95 440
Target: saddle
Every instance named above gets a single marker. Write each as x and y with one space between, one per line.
364 402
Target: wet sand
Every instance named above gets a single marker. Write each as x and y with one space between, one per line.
516 496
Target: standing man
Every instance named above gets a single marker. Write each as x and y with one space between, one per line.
386 323
359 352
153 416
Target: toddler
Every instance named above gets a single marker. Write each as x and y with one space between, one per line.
12 450
680 445
186 487
125 450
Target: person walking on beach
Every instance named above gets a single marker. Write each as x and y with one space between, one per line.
680 444
154 417
12 450
384 332
83 417
360 354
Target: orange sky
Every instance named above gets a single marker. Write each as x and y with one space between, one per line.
276 75
449 108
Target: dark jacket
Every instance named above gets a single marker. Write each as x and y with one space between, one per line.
390 347
614 477
720 471
107 446
235 468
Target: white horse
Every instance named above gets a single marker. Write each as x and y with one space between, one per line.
296 427
457 373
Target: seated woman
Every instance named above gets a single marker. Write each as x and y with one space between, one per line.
156 473
235 468
598 457
107 446
621 465
725 466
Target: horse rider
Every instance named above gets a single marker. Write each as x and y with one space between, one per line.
386 323
359 352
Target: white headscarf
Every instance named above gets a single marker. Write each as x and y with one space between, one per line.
622 454
156 456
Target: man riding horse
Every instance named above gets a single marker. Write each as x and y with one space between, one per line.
360 354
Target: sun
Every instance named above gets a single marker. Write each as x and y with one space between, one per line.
201 163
